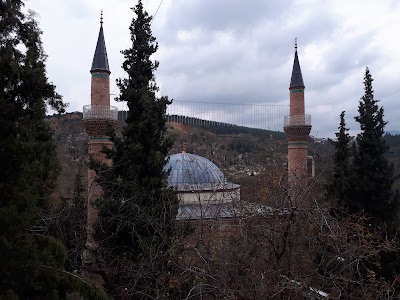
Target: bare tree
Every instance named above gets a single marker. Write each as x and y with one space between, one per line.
285 248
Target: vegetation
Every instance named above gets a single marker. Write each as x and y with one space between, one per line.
270 249
32 261
374 176
69 223
365 182
224 128
339 184
137 212
362 178
392 140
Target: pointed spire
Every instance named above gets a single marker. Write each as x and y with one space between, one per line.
297 77
100 60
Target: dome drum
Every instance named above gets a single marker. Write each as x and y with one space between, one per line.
198 181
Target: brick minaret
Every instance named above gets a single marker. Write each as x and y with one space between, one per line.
96 118
297 127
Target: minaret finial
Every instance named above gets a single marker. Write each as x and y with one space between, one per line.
183 147
100 60
297 77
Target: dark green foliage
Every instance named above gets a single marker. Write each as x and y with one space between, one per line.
373 173
339 181
364 182
144 138
392 140
69 223
31 260
225 128
362 179
27 160
137 210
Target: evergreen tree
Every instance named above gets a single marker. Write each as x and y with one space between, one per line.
32 261
137 210
373 174
364 183
339 182
69 223
27 159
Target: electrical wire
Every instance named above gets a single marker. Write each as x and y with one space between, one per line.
159 5
156 11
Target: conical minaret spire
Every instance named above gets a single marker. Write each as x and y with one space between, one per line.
100 60
100 92
297 77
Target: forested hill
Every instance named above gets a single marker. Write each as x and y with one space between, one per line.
392 140
235 149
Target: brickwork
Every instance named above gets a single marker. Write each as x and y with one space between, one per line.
297 162
100 88
297 172
97 118
94 189
297 133
297 101
99 127
100 95
297 150
297 136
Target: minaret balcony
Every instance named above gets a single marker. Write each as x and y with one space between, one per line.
97 119
297 120
100 112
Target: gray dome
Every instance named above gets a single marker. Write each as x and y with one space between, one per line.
193 172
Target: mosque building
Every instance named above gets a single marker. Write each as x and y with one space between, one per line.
202 188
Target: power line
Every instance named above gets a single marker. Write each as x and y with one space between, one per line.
156 11
159 5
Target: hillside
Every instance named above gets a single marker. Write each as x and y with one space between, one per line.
72 150
240 152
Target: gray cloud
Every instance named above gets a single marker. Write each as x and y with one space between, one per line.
231 51
218 15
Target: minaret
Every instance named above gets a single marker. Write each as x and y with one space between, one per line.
97 117
297 127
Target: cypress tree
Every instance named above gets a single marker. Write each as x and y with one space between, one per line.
362 177
137 210
27 160
374 175
32 261
339 183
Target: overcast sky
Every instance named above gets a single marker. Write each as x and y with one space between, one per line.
236 51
